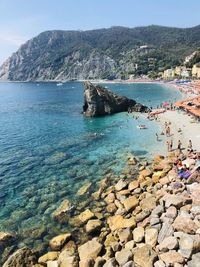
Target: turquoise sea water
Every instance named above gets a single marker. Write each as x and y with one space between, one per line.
48 149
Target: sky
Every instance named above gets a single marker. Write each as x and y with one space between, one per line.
21 20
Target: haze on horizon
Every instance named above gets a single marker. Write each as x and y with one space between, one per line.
21 20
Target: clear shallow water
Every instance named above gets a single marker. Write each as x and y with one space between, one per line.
48 150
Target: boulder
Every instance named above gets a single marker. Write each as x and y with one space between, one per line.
89 250
185 225
124 235
133 185
58 242
62 211
110 198
171 257
195 260
84 189
169 243
130 203
123 256
174 200
67 259
148 203
93 225
166 230
23 257
121 184
159 264
6 238
52 264
118 222
110 263
138 234
99 262
142 215
50 256
151 236
171 212
145 256
189 244
85 216
99 101
111 208
86 263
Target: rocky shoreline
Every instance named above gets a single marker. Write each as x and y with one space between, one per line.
146 217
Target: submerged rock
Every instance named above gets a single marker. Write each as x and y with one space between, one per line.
98 101
23 257
62 211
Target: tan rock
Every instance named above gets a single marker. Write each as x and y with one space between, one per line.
89 250
138 234
123 256
84 189
145 173
145 256
52 264
124 235
133 185
130 203
93 225
171 257
110 198
111 208
118 222
148 203
185 225
124 192
6 238
120 185
151 236
85 216
58 242
50 256
86 263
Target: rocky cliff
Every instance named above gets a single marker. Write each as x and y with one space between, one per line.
99 101
110 53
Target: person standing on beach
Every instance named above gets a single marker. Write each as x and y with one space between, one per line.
190 146
168 146
171 145
179 145
157 139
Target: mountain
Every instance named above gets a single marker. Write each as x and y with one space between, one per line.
105 53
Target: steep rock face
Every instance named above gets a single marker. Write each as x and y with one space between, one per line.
98 101
110 53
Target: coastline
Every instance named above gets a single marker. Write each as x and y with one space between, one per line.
172 116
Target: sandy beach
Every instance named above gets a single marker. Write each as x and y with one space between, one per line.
190 129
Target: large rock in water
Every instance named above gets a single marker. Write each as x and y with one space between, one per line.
99 101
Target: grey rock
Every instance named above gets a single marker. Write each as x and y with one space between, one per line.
168 243
158 210
195 260
99 101
188 244
166 230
